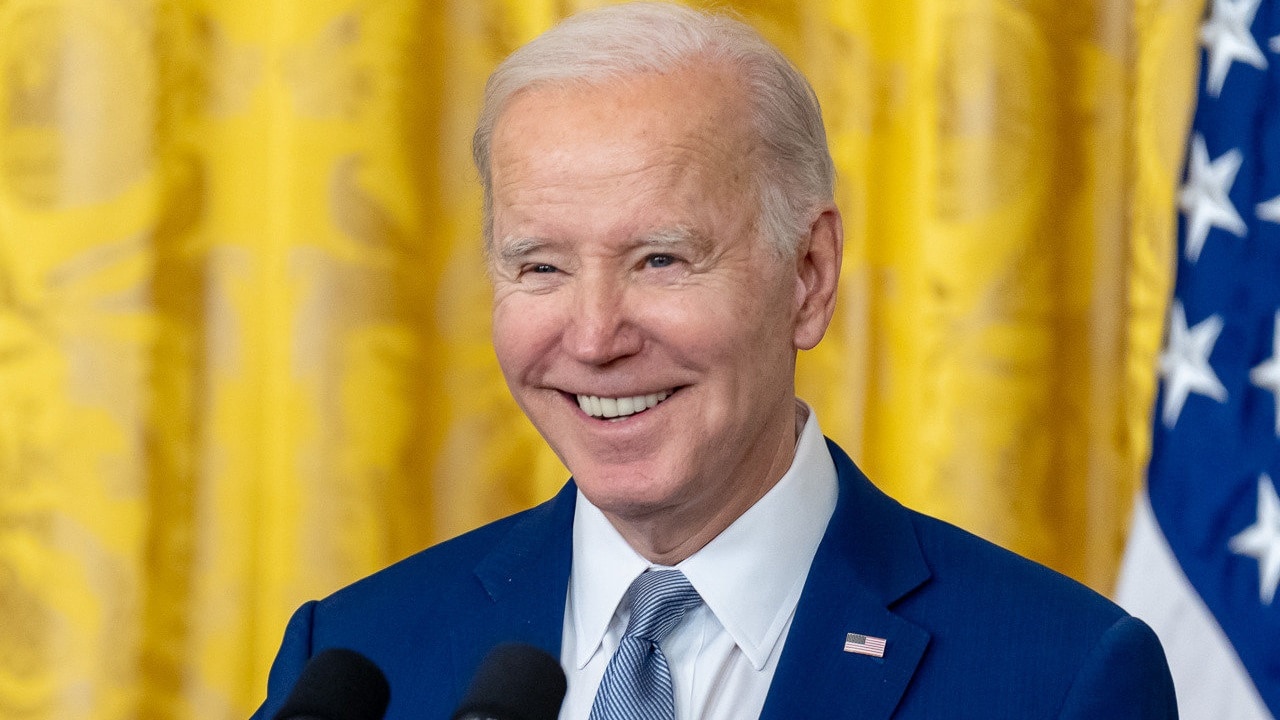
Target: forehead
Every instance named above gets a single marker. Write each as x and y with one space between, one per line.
696 101
678 140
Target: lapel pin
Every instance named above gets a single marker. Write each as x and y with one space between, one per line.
859 644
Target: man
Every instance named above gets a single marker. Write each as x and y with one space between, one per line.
662 239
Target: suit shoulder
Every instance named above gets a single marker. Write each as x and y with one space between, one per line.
999 578
427 620
1073 652
442 570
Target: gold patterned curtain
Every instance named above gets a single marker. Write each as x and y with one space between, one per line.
244 350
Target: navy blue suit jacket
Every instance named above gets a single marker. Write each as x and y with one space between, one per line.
972 630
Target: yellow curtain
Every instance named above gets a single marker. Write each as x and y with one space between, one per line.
244 352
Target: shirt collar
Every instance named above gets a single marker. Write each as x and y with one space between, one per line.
750 576
604 566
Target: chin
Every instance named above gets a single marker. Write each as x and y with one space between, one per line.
625 492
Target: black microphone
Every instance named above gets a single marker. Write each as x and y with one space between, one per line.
514 682
338 684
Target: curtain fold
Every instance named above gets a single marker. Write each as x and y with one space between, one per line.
244 353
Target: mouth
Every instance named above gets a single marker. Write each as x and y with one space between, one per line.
620 407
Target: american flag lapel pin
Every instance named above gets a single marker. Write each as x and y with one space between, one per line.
864 645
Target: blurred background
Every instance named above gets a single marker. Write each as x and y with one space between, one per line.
244 353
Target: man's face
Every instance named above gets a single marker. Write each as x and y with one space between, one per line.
640 324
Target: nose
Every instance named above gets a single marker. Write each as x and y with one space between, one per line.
602 326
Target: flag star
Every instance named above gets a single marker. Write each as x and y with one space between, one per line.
1267 375
1184 364
1204 199
1269 210
1261 540
1227 38
1275 44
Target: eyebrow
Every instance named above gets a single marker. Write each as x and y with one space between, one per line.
674 237
677 235
514 248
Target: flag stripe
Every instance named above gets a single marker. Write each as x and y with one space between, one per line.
1210 681
1216 437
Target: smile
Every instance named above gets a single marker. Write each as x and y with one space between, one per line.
603 407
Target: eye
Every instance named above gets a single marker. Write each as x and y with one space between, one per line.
660 261
542 269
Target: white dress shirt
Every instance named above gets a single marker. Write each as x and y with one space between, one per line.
724 652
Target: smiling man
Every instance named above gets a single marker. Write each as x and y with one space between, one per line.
662 240
628 265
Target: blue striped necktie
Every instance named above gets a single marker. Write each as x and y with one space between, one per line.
637 682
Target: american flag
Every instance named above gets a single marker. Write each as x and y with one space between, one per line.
864 645
1216 445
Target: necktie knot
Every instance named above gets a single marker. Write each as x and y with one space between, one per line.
659 600
637 682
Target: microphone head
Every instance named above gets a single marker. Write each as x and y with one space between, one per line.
515 682
338 684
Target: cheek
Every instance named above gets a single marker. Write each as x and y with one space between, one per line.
521 336
742 322
700 327
728 339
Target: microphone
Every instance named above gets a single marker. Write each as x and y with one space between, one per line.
337 684
515 682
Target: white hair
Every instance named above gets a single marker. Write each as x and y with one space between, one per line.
794 174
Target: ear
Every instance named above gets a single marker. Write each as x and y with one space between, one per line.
818 260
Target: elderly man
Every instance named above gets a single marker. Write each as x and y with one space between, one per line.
662 239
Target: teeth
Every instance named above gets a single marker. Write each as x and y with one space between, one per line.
596 406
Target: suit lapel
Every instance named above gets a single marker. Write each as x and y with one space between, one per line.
868 560
524 581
